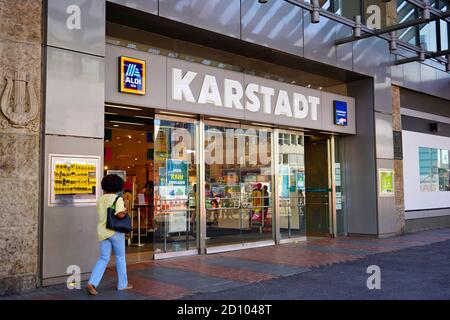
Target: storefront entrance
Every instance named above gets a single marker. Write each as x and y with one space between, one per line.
238 185
198 185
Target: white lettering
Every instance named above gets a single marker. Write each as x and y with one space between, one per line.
374 281
315 102
283 106
374 17
257 98
233 94
210 91
301 106
74 20
267 98
181 85
252 104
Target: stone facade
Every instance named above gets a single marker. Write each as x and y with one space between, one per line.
20 119
398 164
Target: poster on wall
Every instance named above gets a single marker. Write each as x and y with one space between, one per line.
73 179
176 179
386 182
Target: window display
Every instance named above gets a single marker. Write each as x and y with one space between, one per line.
434 169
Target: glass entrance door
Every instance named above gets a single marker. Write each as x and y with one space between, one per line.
318 186
175 185
238 184
291 184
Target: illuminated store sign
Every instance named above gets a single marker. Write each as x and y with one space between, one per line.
340 113
253 97
132 75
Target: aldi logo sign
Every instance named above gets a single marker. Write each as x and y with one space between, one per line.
132 75
340 113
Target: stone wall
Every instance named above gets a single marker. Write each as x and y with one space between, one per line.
20 118
398 164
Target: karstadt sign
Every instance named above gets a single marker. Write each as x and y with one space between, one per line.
257 97
178 85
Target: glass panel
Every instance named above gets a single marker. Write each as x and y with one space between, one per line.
317 185
292 186
407 12
428 36
434 169
428 164
175 178
238 185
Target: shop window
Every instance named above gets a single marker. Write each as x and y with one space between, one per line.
434 169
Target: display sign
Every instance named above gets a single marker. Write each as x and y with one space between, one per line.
73 179
338 200
132 75
284 181
386 182
340 113
176 179
300 178
338 177
177 222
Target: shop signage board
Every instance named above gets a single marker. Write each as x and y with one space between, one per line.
340 113
73 179
184 86
132 75
386 182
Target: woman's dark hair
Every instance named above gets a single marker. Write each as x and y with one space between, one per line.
112 183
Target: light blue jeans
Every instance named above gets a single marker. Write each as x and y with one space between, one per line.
117 243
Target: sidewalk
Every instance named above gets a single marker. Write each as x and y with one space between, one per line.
208 274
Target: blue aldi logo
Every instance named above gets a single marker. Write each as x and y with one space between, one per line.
340 113
132 75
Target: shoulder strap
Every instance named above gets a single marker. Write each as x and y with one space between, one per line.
114 203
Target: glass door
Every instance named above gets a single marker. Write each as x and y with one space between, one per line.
238 184
175 185
318 192
291 184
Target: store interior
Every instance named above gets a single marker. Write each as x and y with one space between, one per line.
156 157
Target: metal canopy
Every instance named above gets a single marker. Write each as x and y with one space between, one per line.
360 31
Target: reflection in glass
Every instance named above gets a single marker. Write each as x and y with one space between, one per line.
238 185
175 176
292 185
434 169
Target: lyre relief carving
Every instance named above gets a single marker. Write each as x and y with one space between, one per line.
19 110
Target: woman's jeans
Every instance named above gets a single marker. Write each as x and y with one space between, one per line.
116 242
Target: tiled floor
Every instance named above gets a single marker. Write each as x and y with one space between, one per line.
177 278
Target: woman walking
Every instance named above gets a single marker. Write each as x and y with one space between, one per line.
109 239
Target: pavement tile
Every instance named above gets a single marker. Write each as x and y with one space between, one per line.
188 279
207 274
234 273
263 267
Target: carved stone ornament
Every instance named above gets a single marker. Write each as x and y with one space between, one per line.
19 111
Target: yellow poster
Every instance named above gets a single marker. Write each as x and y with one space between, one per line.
72 178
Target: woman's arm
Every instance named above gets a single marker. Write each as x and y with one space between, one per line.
121 215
